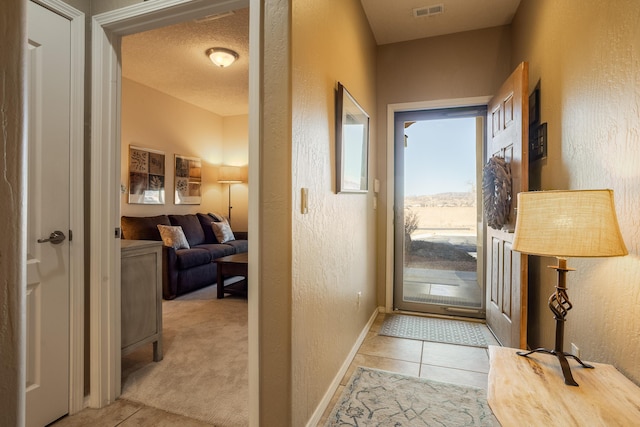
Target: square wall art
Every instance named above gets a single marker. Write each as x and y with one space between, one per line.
188 180
146 176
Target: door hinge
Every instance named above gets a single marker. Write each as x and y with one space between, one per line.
70 235
118 232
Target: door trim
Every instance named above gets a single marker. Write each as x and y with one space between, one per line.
390 212
76 208
108 29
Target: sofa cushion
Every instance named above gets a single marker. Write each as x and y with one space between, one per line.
173 236
218 250
191 227
205 222
223 232
189 258
142 228
239 246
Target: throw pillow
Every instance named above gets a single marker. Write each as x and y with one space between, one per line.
173 236
223 232
217 217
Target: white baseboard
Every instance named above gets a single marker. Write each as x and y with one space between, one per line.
326 399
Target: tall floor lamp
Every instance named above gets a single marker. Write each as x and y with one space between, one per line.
566 224
230 175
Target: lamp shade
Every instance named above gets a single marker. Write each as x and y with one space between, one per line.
230 175
579 223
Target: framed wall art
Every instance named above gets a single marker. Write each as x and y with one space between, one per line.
146 176
352 144
188 180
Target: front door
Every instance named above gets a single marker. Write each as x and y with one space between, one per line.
47 388
506 271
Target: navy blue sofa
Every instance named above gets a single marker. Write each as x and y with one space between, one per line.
185 270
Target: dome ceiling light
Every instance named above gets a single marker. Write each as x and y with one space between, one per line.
221 56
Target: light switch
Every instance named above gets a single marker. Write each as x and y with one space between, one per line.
304 200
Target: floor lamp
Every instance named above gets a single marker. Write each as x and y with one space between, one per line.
566 224
230 175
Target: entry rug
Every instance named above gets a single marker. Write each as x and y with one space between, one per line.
432 329
380 398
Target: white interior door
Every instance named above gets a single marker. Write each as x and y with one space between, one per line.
48 216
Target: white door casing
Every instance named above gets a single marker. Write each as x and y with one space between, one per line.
47 296
108 29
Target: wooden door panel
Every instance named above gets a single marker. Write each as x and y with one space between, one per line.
507 281
506 270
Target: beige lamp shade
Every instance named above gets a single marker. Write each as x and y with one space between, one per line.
579 223
230 175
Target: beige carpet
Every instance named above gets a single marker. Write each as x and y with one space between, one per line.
204 371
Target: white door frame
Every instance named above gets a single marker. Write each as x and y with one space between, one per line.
76 208
389 214
107 31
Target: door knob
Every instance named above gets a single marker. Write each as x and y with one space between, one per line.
56 238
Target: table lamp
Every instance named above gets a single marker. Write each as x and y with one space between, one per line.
563 224
230 175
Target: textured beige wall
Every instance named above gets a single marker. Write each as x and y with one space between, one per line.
155 120
587 58
333 245
235 152
461 65
13 211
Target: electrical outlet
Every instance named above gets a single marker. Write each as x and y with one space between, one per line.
358 300
575 350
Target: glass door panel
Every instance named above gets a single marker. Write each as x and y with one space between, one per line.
438 262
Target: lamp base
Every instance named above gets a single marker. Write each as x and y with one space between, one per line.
564 364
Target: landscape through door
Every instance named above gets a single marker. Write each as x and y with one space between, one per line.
438 232
507 137
48 223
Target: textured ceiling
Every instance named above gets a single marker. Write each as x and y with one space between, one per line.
393 21
172 59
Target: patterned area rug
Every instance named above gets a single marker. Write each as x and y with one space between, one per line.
380 398
432 329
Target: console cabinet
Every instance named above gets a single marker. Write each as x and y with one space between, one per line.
141 295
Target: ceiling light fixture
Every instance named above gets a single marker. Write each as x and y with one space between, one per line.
221 56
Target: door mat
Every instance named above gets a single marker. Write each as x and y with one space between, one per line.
443 300
432 329
380 398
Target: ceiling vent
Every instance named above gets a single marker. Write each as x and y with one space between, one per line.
215 16
428 10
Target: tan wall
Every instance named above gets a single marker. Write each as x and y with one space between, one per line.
13 212
333 245
235 137
152 119
586 58
461 65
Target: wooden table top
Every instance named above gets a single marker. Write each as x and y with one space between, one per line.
241 258
530 391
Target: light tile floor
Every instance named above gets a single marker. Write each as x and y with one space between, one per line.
456 364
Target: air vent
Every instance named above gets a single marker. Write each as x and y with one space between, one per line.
215 16
436 9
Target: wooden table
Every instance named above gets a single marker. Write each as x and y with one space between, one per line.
232 265
530 391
